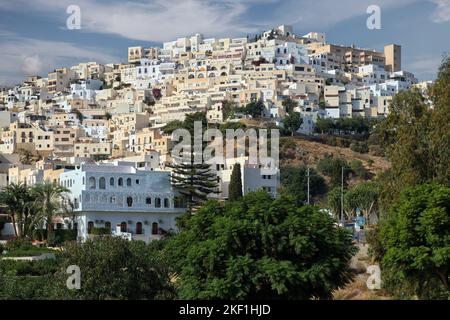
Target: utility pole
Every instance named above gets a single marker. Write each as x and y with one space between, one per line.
307 174
342 195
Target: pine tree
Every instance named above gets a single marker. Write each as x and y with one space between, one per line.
193 181
235 187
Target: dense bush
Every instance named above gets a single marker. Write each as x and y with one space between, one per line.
359 146
359 170
332 167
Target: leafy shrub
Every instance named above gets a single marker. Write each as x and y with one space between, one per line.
360 147
359 170
100 231
23 244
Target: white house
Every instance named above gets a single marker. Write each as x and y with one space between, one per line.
141 203
85 89
252 177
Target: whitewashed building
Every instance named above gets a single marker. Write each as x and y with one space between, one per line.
139 203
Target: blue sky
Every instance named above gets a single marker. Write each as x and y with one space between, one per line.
34 38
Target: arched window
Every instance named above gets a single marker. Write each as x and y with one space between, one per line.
108 225
120 183
148 200
200 76
154 228
129 182
123 226
111 182
139 228
191 76
212 75
90 227
92 183
158 202
130 201
102 183
166 203
223 74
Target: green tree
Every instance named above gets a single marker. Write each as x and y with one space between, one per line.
19 204
334 202
363 196
48 201
416 239
294 182
191 118
260 248
235 186
323 125
228 108
254 108
289 105
292 123
194 181
359 170
114 268
172 126
332 167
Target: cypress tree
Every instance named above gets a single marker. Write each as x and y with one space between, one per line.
235 187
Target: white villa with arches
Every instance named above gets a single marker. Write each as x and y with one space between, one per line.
135 204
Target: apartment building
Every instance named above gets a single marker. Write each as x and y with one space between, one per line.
87 148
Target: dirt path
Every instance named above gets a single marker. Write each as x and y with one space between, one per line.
358 290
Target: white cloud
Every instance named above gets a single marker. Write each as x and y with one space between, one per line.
442 12
157 20
32 64
20 57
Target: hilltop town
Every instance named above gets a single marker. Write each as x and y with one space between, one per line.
97 127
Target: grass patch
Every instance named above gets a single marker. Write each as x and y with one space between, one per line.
27 252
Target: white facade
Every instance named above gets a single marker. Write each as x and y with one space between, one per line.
141 202
85 89
253 178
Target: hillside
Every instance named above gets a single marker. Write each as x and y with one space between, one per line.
299 150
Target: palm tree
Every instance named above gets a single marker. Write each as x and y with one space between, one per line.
17 198
48 202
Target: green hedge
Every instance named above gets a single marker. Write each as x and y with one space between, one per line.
59 236
100 231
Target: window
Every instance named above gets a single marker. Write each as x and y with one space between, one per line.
166 203
102 183
137 181
154 228
91 183
90 227
129 182
130 201
108 225
158 202
112 199
123 226
179 202
148 200
111 182
139 228
120 183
